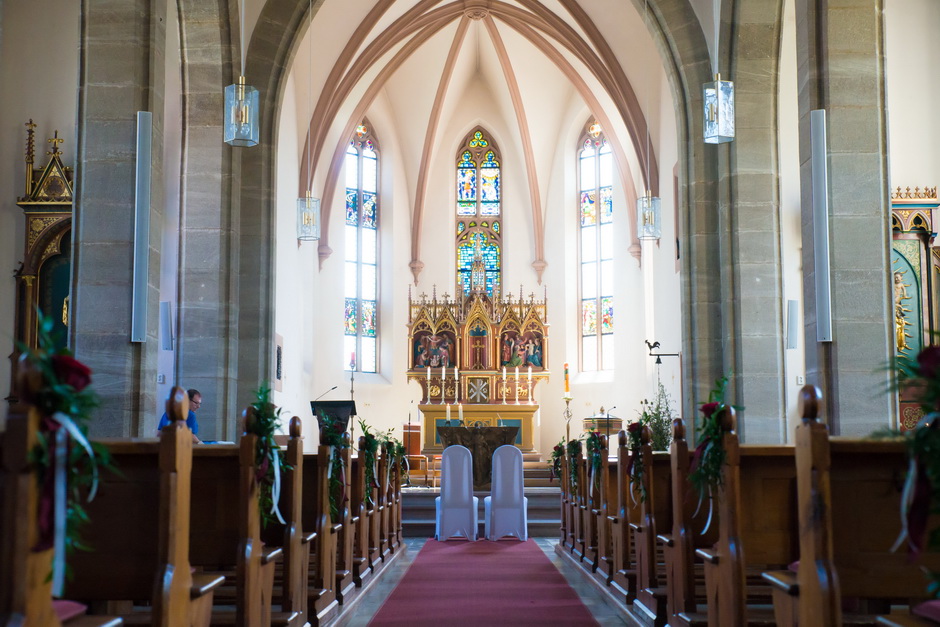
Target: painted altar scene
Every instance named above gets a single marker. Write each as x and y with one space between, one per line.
915 264
479 360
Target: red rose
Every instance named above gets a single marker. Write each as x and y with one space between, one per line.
71 371
634 427
709 408
929 362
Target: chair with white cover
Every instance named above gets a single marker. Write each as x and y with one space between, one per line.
456 507
505 511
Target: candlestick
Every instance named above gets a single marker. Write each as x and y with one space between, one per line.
456 385
505 389
567 416
517 385
429 385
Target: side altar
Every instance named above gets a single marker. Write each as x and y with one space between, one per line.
479 361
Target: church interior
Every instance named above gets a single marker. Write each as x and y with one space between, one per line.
535 217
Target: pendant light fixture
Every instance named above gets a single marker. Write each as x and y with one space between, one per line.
718 95
308 207
648 207
241 101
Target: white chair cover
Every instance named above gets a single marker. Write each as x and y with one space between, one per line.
505 511
456 507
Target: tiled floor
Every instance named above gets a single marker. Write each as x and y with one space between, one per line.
370 604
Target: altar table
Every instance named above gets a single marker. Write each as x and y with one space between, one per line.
482 442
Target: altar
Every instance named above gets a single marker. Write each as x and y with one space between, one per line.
522 416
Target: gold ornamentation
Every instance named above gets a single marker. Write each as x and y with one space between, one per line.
911 415
927 193
65 310
38 224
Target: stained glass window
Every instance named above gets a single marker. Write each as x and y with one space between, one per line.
596 217
479 192
360 283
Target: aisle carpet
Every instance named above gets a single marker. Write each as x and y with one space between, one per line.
483 583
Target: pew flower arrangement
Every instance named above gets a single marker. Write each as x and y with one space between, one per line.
67 463
920 497
554 464
635 468
709 458
265 421
574 449
369 449
333 434
595 451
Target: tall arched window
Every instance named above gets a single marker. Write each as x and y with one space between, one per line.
479 216
596 219
361 287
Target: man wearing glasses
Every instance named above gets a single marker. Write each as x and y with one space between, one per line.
195 401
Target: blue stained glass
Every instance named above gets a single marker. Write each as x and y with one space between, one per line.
607 314
478 141
491 261
588 208
368 318
350 316
460 227
466 184
489 160
370 214
467 208
489 184
352 207
607 205
466 160
489 208
496 226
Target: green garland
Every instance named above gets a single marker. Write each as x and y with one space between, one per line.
554 464
269 459
331 434
368 450
574 449
595 453
637 462
53 381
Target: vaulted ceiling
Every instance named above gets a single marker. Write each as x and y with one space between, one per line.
534 62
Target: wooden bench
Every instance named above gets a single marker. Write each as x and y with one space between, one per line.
362 571
849 517
623 579
25 589
322 603
139 531
760 536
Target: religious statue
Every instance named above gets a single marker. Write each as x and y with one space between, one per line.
900 311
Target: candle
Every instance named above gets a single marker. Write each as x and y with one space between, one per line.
530 373
456 373
460 411
567 385
504 373
517 373
448 412
352 360
429 374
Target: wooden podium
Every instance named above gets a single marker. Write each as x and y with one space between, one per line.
497 415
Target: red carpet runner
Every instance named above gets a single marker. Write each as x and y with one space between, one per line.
483 583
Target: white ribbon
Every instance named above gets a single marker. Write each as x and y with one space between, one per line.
60 486
711 510
276 488
329 465
907 495
79 437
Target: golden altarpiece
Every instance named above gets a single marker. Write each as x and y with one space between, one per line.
915 276
479 361
43 279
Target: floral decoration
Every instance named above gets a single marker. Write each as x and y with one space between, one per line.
332 434
554 464
635 468
574 449
595 452
709 457
269 459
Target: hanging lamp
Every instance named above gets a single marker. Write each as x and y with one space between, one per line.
241 102
308 207
649 221
718 96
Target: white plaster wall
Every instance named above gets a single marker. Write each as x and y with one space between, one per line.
39 70
912 49
790 210
169 255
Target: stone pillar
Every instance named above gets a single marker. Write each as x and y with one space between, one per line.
122 49
208 302
751 180
840 56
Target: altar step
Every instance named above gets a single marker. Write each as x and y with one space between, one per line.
544 511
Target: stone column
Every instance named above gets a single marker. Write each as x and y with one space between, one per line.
751 180
207 288
122 49
840 56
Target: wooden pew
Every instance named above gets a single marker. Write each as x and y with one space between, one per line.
322 603
224 483
623 578
125 564
25 590
849 504
685 538
395 484
375 517
564 485
654 514
606 505
760 536
597 511
588 497
291 587
361 514
385 505
576 461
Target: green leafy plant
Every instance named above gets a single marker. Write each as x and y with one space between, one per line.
269 459
368 450
635 468
554 463
58 386
595 454
658 415
574 449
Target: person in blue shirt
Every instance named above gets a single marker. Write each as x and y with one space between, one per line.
195 401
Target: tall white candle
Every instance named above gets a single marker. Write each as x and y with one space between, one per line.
530 373
448 412
460 411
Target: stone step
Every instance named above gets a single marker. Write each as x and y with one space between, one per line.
418 511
